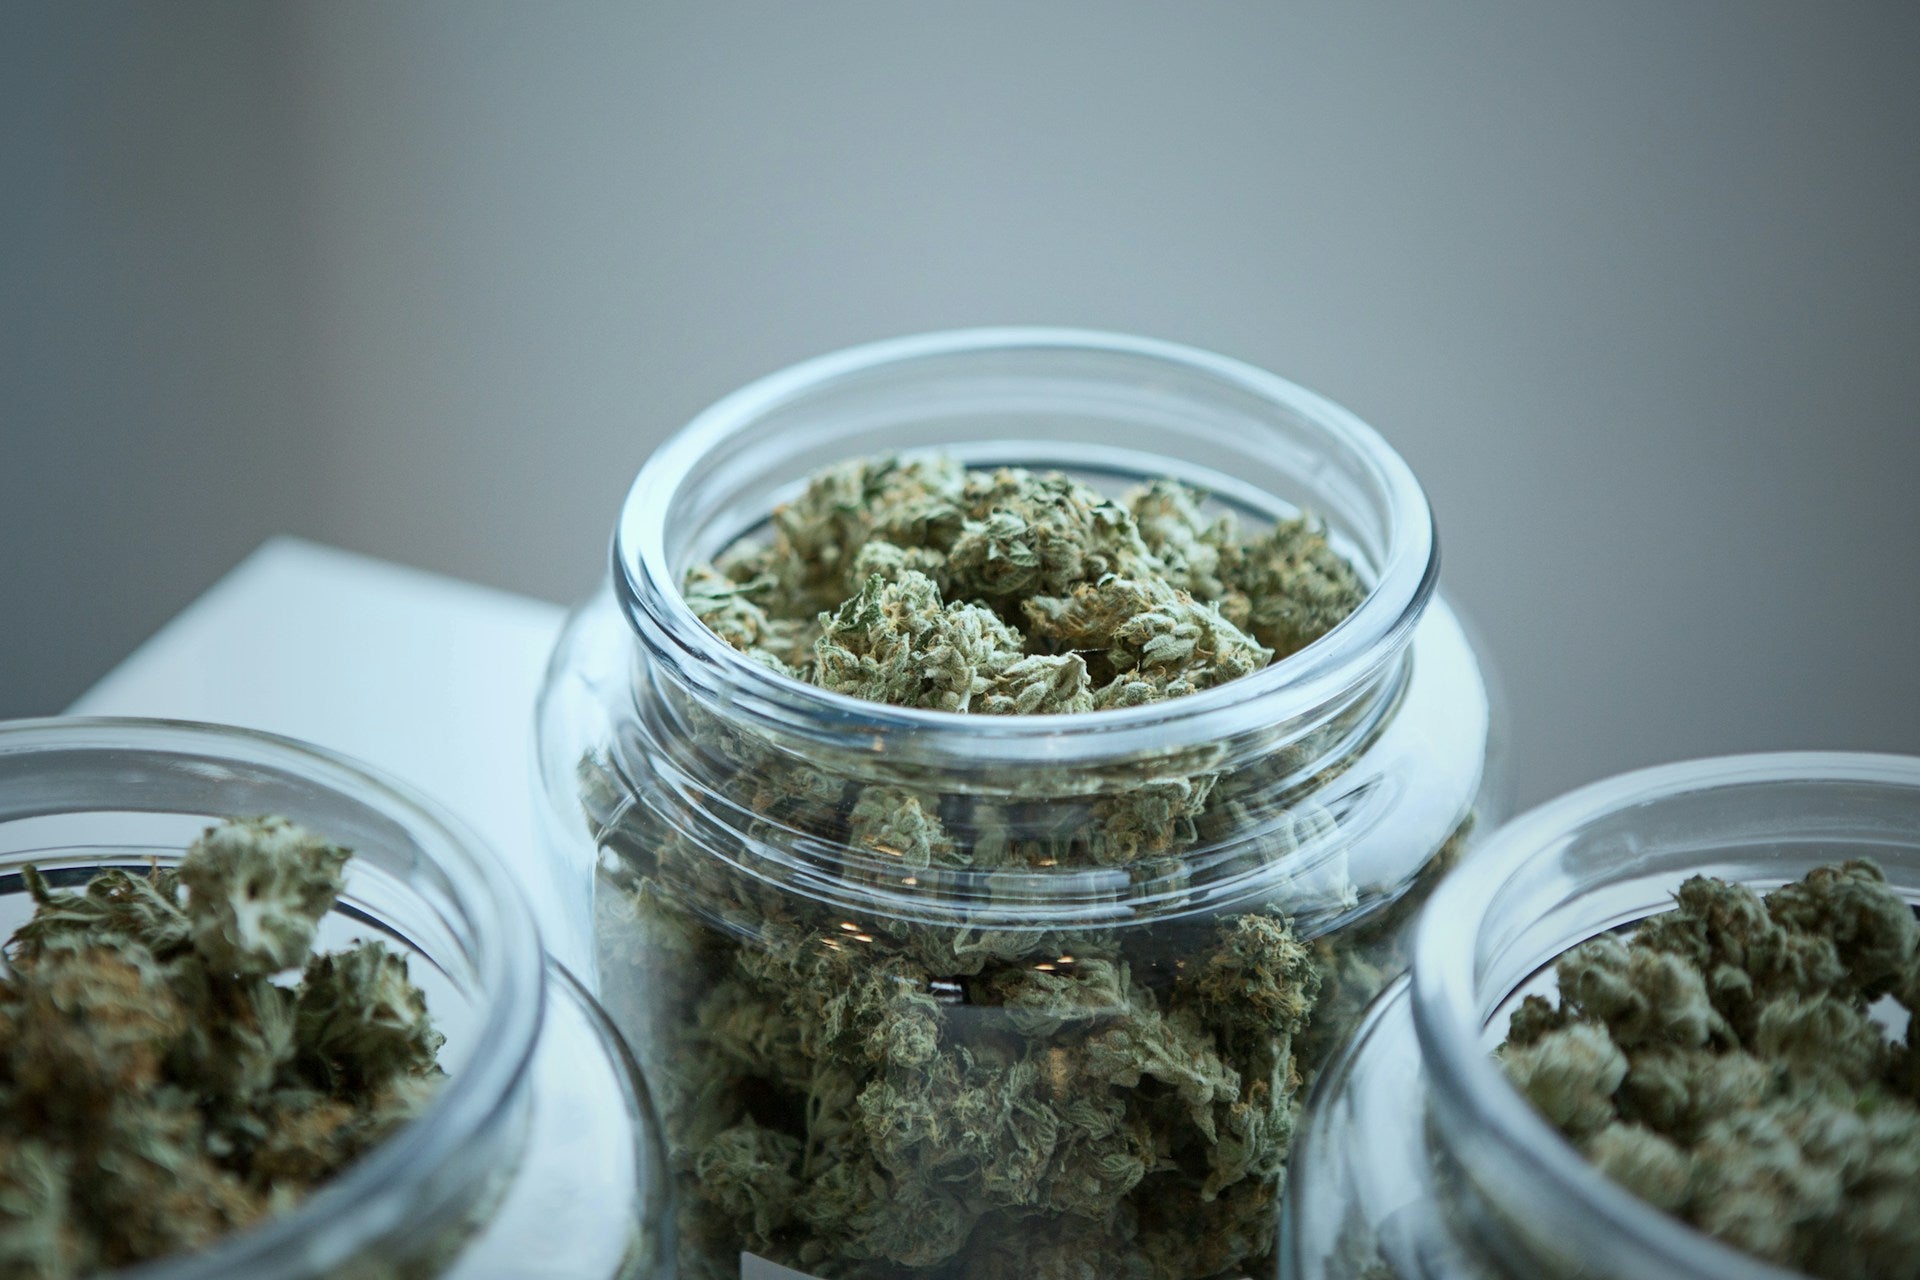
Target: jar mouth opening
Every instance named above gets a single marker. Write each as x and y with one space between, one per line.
1462 977
362 1204
1403 575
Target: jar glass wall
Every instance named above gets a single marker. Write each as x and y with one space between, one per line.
928 994
447 1194
1418 1158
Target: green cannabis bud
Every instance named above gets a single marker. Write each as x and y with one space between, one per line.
922 584
862 1095
176 1064
1724 1063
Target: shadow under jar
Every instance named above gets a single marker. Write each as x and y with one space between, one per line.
1418 1159
494 1178
1069 1038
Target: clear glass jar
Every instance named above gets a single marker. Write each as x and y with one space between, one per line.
1417 1158
496 1178
1000 1057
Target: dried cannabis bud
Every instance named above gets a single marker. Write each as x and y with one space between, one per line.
166 1079
922 584
1725 1064
859 1095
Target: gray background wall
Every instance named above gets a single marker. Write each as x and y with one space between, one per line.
1634 287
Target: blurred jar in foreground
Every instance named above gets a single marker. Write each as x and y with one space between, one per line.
924 994
1417 1156
538 1155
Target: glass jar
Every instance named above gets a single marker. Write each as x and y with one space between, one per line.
1065 1033
1417 1157
497 1177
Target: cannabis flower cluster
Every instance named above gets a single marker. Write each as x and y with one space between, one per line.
1725 1064
911 1083
922 584
162 1081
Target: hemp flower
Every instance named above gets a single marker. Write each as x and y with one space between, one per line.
1289 587
897 642
919 583
256 889
158 1088
1723 1064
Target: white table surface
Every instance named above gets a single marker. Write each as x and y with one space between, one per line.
427 677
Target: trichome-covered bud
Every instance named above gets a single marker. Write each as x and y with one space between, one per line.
1037 686
88 1022
898 642
163 1081
899 823
918 583
1571 1075
1154 641
144 909
1722 1062
256 890
1182 537
360 1023
731 611
1289 587
1644 1163
1031 535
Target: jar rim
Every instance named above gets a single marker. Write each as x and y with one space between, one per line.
358 1207
1511 1139
1312 677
